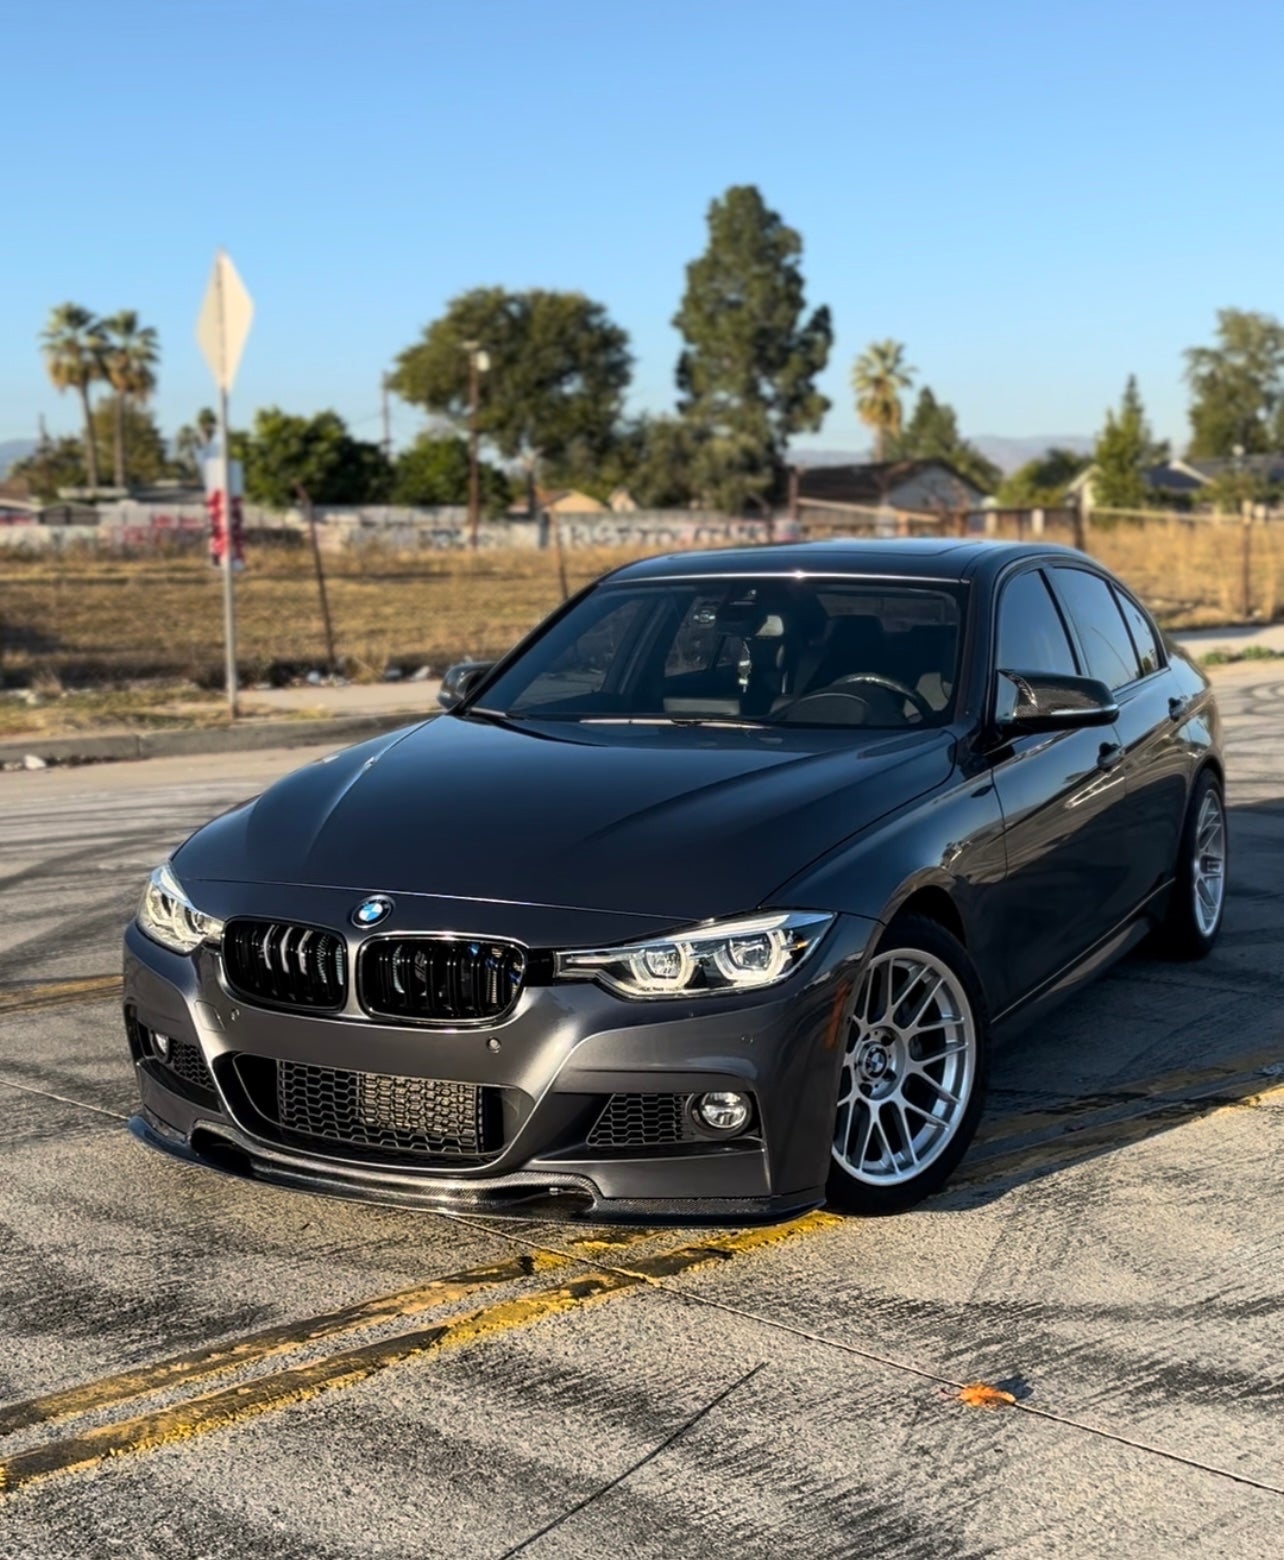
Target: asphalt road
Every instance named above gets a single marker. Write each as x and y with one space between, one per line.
1110 1253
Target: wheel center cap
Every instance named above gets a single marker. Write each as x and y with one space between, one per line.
875 1061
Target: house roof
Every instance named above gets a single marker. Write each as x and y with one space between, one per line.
1270 468
871 482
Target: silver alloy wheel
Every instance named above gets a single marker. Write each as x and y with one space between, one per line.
908 1069
1209 873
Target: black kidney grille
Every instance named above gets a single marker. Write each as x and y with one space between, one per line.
421 1116
446 979
643 1121
292 966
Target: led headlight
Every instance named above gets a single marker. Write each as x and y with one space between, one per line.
170 918
729 956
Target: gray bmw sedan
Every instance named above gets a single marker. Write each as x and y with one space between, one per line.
705 902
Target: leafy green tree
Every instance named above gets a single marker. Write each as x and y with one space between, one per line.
72 343
61 463
932 433
136 428
130 354
559 367
663 472
434 470
1124 449
747 372
1237 386
53 465
879 377
1041 483
284 453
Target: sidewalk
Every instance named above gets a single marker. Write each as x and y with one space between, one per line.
270 718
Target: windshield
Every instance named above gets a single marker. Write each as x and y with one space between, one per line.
809 652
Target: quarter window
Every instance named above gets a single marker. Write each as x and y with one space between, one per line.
1102 632
1143 635
1032 637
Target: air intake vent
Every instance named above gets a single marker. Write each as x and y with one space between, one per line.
285 965
643 1121
440 979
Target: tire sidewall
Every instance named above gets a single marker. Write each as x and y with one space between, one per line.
914 933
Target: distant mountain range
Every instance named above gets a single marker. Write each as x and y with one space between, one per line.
14 449
1007 454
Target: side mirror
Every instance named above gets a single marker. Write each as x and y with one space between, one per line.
460 680
1046 701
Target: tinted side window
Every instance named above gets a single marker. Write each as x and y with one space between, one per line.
1102 633
1032 637
1143 635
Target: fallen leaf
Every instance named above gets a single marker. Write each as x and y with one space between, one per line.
979 1394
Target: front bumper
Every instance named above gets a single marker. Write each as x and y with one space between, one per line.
563 1053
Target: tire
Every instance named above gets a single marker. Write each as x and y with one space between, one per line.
903 1067
1191 925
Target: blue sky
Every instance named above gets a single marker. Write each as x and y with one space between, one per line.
1037 200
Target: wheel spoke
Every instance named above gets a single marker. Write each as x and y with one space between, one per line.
906 1133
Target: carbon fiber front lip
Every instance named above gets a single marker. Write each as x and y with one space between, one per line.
519 1194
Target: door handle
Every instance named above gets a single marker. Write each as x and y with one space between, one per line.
1109 756
1177 708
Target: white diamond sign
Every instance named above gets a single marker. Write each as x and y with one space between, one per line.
224 322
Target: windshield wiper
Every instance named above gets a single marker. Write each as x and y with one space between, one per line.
495 717
724 721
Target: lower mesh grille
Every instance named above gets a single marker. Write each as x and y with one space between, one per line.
187 1063
643 1121
379 1112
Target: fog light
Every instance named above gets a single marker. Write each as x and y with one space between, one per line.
725 1113
161 1043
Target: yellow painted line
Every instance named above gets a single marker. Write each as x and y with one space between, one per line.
233 1405
1083 1142
285 1338
1181 1081
35 995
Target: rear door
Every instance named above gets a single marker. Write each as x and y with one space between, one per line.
1119 645
1062 796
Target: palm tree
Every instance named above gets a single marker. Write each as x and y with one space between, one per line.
131 353
879 375
72 343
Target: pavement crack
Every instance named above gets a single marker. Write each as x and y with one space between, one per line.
63 1099
675 1435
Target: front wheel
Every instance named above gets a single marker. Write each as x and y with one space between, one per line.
914 1071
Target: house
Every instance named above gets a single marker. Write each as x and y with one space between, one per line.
912 485
1169 482
560 501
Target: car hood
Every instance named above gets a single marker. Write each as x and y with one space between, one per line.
678 823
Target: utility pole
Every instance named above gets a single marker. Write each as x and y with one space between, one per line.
387 417
478 364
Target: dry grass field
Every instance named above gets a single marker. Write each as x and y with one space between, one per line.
88 619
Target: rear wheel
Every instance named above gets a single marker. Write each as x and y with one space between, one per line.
1198 900
914 1071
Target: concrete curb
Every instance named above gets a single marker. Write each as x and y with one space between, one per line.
246 737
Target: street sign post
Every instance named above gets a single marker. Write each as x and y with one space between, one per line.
221 329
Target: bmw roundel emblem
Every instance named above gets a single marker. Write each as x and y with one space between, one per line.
371 911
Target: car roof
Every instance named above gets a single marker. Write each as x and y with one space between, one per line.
927 557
